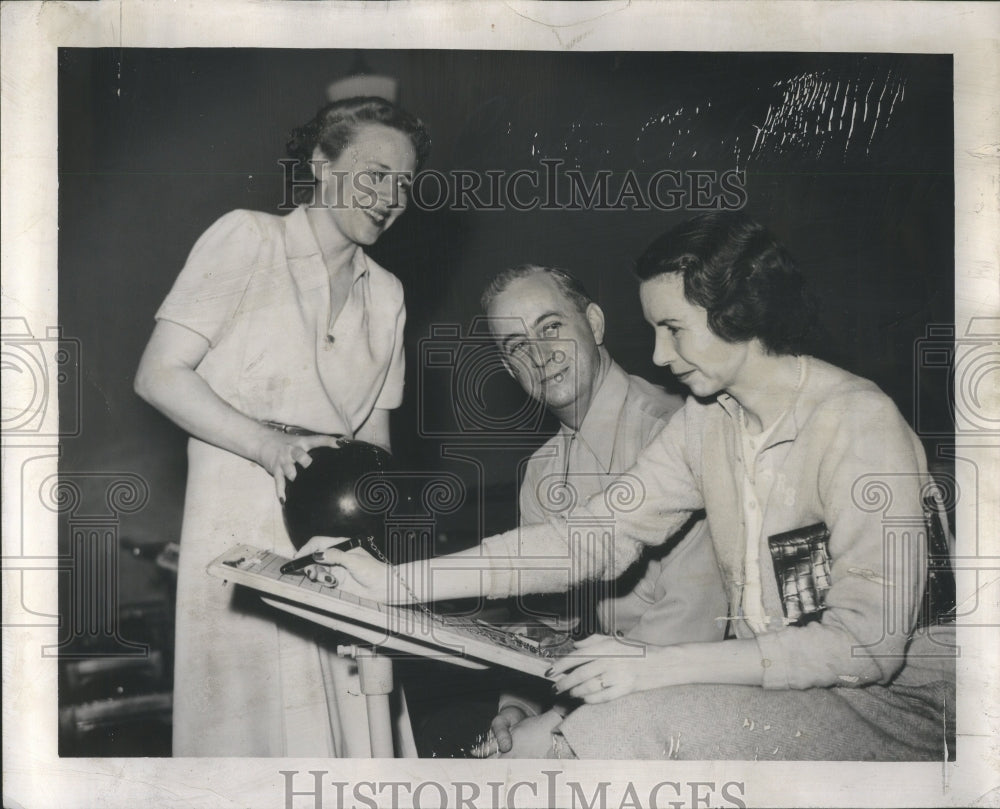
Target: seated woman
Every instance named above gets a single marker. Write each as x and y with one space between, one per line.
784 452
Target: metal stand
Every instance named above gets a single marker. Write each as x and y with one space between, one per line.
375 673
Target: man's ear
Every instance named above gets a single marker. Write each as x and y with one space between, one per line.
503 357
595 317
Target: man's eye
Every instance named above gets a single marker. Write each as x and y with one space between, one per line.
551 329
516 348
377 176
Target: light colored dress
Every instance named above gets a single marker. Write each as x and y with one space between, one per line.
249 680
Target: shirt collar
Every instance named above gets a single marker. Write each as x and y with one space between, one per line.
729 404
600 425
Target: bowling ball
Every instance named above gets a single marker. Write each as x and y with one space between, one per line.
323 501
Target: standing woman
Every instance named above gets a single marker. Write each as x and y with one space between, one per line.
784 452
278 334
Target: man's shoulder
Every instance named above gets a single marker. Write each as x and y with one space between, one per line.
651 401
546 455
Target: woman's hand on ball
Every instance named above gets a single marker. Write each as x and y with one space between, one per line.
279 453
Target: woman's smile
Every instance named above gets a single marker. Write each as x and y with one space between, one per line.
367 182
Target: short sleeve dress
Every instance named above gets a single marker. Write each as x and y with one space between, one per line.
250 681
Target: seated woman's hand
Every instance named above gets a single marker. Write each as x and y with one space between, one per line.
279 453
500 738
532 737
315 548
354 571
604 668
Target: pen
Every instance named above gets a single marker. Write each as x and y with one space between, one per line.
303 562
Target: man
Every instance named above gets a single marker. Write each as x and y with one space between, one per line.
551 337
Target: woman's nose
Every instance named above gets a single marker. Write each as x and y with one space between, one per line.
389 192
663 351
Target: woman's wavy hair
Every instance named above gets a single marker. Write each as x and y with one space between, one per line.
742 276
332 128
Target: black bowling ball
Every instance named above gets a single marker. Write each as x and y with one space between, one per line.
323 498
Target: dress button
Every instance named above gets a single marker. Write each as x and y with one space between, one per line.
330 338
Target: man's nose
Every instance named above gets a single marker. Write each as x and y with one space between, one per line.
548 352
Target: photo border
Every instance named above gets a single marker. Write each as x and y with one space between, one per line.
34 775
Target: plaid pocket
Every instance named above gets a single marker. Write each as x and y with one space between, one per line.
802 566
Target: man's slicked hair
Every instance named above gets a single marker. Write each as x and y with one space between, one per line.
568 284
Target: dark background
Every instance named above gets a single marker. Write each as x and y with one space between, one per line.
154 145
848 158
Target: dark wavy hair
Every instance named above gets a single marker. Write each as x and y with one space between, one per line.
568 284
332 128
742 276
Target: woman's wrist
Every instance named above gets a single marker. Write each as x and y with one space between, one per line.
662 668
260 445
464 574
729 662
497 580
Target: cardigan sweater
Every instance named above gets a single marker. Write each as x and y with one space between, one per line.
842 455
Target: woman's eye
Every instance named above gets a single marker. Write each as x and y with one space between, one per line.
377 176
